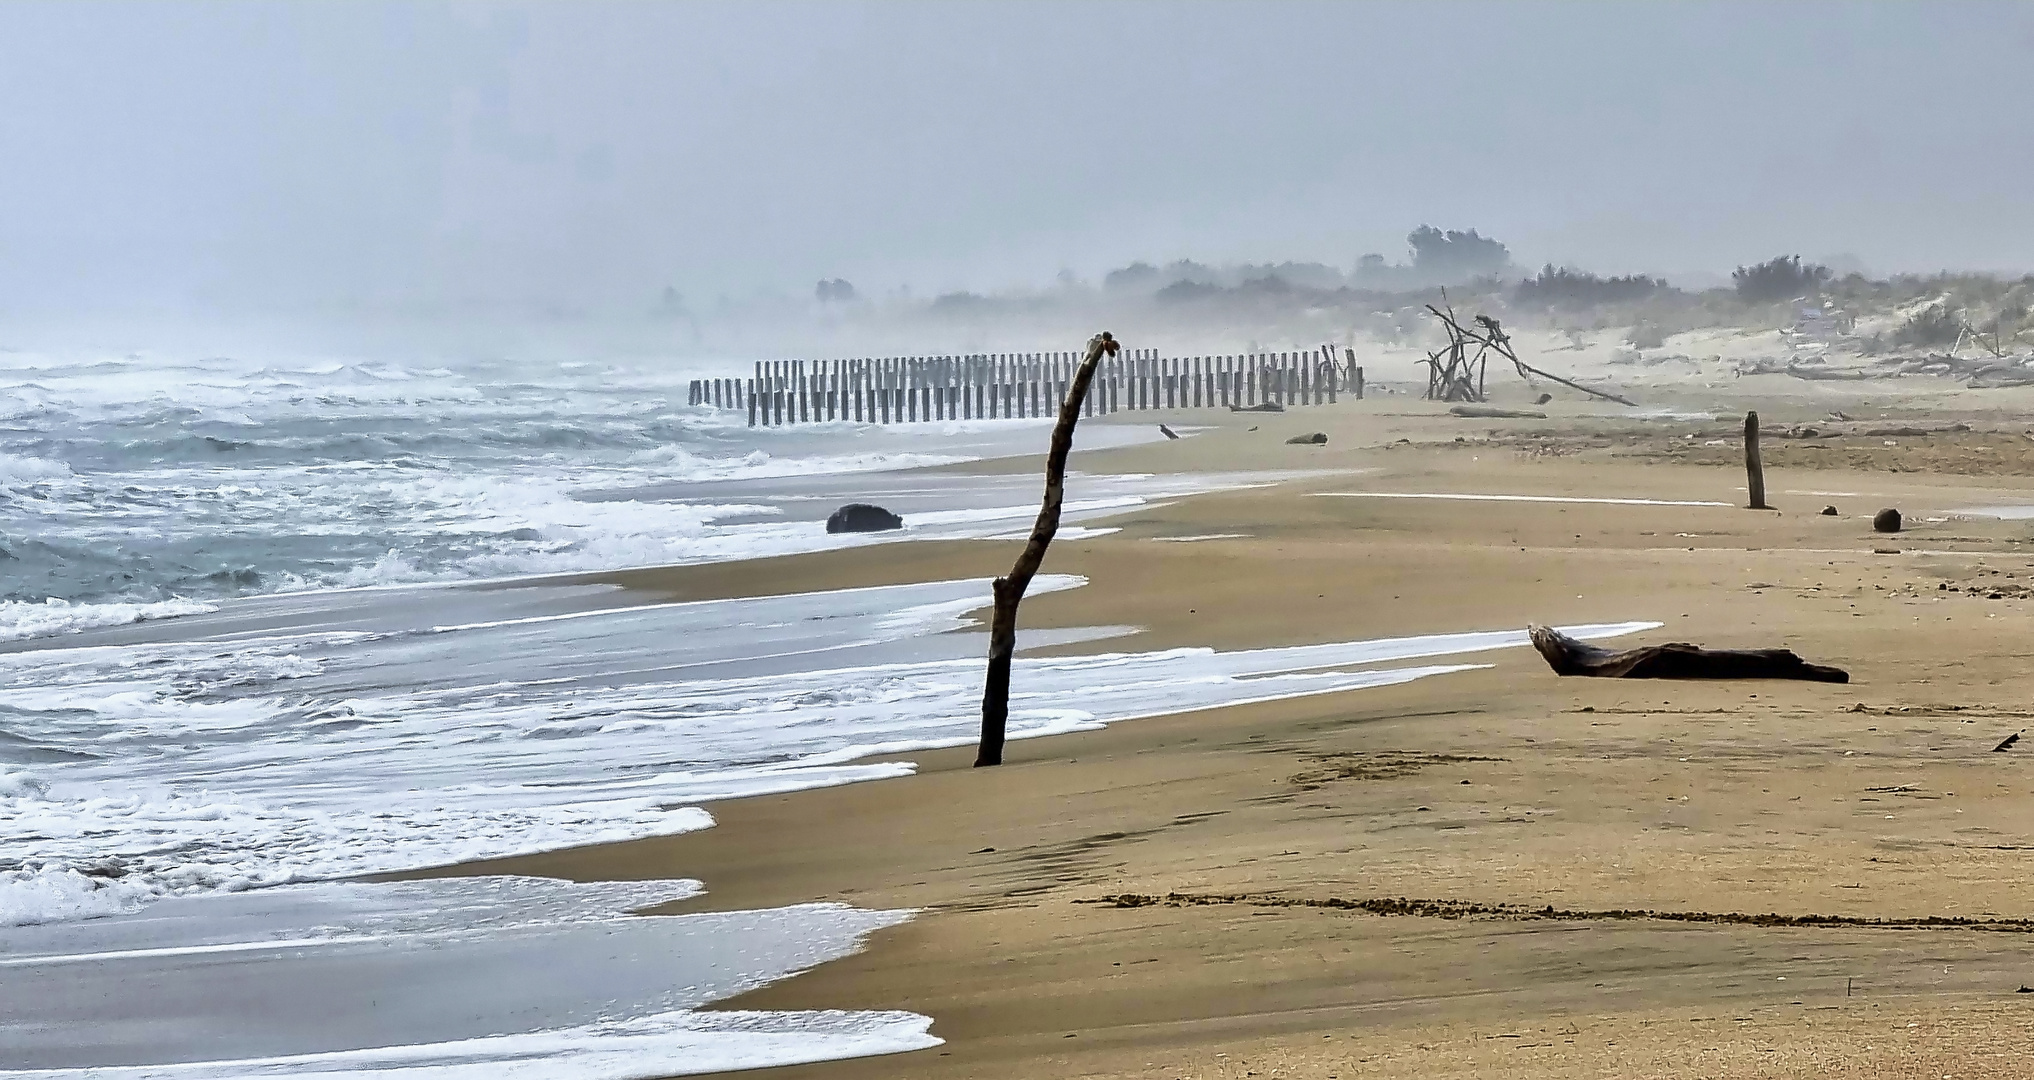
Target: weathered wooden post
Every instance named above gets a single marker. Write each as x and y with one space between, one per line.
1755 472
1009 589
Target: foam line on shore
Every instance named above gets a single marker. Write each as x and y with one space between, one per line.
666 1044
428 978
228 765
1463 497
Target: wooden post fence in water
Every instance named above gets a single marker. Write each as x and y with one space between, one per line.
1001 386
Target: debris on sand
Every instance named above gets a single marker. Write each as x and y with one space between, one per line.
1826 375
1456 374
1484 412
1887 520
1675 660
1829 511
1318 438
2007 743
1168 432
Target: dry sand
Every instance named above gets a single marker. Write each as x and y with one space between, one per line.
1202 895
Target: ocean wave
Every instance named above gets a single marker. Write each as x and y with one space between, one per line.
242 764
684 464
149 479
22 471
20 620
32 897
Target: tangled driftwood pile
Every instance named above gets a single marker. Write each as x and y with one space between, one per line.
1980 372
1456 373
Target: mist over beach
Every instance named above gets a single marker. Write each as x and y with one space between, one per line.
500 508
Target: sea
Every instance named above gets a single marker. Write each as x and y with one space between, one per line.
268 627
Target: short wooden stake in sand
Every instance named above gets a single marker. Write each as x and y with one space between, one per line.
1755 472
1009 589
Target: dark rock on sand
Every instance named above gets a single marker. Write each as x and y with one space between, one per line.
1829 511
1887 520
862 517
1318 438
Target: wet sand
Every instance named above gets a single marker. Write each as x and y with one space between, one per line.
1214 894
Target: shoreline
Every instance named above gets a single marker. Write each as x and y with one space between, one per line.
1355 875
1327 799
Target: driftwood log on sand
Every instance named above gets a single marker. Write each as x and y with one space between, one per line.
1484 412
1831 375
1676 660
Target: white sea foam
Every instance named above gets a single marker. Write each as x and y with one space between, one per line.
680 463
149 477
429 978
20 619
640 1048
1464 497
34 897
21 471
224 765
2005 512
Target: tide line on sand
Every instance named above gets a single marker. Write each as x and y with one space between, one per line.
1464 497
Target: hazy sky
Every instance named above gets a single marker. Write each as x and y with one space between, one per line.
238 156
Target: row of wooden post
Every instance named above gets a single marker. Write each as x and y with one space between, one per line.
1014 385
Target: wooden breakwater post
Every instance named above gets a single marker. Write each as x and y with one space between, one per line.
1754 469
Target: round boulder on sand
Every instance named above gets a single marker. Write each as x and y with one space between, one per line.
862 517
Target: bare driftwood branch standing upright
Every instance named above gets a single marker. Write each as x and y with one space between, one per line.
1010 587
1754 469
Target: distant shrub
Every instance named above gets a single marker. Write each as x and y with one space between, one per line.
1184 291
1561 287
961 303
1137 275
1932 325
1452 256
1273 285
1646 336
1774 280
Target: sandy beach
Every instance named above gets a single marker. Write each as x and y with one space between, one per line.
1494 872
511 516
